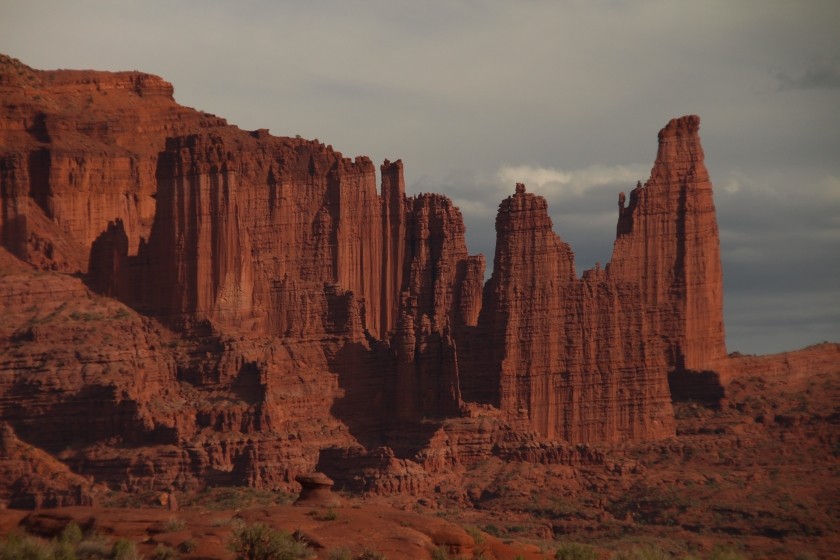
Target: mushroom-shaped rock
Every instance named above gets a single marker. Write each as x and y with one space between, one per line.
316 490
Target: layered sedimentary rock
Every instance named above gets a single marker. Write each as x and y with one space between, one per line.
285 315
80 150
667 239
437 296
114 395
34 479
573 356
588 359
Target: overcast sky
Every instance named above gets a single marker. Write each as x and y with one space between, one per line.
566 96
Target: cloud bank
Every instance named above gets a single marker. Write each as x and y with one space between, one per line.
564 96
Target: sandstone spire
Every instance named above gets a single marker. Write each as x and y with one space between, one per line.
573 357
668 242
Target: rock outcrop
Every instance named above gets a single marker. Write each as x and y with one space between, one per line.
278 314
316 490
588 359
80 150
572 356
668 241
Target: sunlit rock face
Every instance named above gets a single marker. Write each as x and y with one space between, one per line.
243 308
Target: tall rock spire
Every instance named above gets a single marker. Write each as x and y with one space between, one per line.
668 242
573 357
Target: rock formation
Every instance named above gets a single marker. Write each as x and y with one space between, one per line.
316 490
668 240
277 314
574 356
588 359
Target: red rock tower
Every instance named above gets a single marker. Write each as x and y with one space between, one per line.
574 357
667 241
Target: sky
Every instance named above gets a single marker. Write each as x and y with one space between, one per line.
566 96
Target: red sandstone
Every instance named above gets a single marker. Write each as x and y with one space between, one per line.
254 309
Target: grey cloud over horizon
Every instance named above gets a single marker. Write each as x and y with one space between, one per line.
822 73
565 96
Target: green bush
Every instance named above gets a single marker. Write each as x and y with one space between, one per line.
124 549
163 552
96 547
575 551
475 533
72 534
440 553
340 554
260 542
329 515
24 547
187 546
64 551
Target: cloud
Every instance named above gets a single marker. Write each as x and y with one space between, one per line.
820 74
581 202
556 183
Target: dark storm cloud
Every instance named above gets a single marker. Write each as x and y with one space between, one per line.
565 96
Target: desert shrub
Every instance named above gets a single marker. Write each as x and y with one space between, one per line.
475 533
329 515
96 547
124 549
163 552
491 529
340 554
370 555
174 525
187 546
650 505
575 551
24 547
260 542
236 498
72 534
554 509
122 313
641 553
63 551
440 553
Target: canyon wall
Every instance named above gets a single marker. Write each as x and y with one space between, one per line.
285 314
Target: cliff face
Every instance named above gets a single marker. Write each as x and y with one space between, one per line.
80 149
668 241
589 359
574 356
284 314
